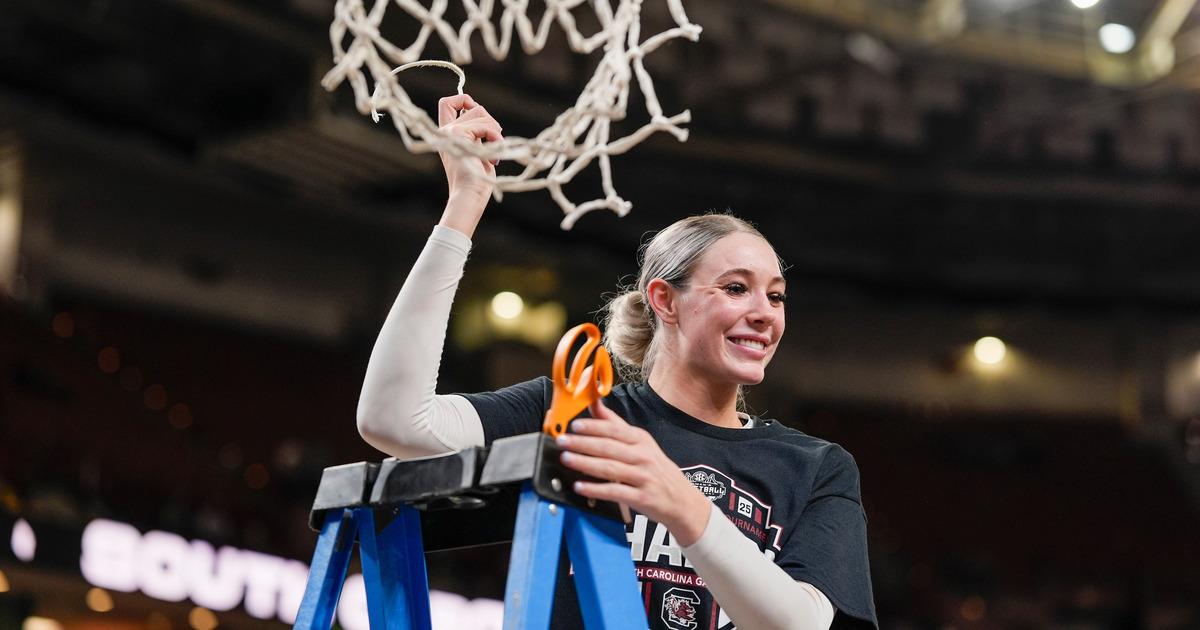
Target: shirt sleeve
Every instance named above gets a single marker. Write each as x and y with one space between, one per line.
513 410
398 411
828 546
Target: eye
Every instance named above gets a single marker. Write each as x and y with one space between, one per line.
735 288
777 298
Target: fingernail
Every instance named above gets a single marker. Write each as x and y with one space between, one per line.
578 425
577 487
568 457
563 440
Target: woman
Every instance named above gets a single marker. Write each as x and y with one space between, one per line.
739 521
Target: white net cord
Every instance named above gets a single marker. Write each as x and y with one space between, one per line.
580 135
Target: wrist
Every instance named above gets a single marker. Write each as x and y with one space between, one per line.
463 212
693 519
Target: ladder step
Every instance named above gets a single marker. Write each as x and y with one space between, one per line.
398 510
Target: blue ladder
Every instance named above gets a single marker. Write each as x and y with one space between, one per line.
354 497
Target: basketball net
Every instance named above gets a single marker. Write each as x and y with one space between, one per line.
580 135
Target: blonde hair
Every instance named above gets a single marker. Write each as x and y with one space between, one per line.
630 325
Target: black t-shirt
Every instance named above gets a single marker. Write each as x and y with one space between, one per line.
797 497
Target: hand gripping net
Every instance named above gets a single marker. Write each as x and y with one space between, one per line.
578 136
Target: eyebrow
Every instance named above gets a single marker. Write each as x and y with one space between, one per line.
746 272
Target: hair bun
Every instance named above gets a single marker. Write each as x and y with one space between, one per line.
628 329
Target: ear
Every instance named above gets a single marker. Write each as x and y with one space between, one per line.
662 299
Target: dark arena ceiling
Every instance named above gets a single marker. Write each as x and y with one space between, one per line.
1007 155
192 204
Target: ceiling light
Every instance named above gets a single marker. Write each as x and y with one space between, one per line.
24 541
41 623
1085 4
10 219
1117 38
507 305
990 350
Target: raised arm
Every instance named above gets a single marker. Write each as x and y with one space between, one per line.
398 410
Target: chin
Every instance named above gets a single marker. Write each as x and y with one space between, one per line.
750 379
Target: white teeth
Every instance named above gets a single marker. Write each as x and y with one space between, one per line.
749 343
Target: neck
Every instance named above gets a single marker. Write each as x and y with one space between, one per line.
715 405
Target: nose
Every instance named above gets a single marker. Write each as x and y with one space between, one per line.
765 313
764 319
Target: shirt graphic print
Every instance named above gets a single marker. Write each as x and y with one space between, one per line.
670 587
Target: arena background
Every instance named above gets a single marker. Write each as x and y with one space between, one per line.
198 244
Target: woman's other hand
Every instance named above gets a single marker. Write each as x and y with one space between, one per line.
640 475
470 179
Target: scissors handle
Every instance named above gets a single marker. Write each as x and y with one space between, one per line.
586 383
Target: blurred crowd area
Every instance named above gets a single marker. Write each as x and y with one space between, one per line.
1023 522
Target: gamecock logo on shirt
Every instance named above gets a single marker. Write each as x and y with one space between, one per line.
679 608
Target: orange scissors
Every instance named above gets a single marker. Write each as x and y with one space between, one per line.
587 382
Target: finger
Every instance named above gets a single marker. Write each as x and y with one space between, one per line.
613 492
474 111
605 468
600 447
478 130
493 131
608 491
449 106
487 130
610 425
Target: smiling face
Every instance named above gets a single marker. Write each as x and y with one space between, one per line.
729 317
